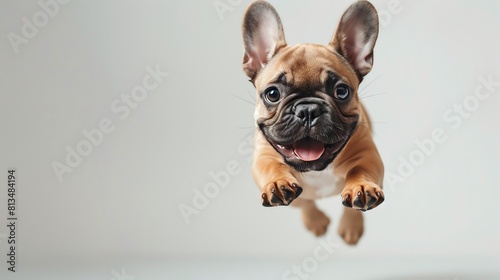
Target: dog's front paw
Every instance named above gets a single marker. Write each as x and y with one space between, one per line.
362 196
281 192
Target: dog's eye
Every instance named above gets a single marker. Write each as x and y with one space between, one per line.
342 92
272 95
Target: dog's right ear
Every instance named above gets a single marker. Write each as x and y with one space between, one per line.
262 36
356 36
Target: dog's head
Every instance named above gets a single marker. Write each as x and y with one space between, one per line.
307 103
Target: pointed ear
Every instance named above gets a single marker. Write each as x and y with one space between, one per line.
262 36
356 36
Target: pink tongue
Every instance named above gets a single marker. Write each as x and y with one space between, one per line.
309 149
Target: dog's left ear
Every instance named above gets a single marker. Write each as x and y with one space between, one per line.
356 36
262 36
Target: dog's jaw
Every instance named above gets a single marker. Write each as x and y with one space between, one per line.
320 155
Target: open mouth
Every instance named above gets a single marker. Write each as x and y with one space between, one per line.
310 150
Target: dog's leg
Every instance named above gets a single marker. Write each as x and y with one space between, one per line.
363 181
362 190
279 187
314 219
351 226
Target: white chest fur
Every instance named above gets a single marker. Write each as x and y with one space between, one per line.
319 184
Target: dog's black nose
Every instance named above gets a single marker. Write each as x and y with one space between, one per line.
308 113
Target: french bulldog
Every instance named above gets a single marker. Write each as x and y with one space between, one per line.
313 136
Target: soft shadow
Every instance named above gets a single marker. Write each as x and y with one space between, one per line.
442 277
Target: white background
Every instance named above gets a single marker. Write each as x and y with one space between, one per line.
120 206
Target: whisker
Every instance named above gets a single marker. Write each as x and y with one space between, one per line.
377 94
252 131
364 87
246 127
374 122
370 129
259 135
239 97
251 95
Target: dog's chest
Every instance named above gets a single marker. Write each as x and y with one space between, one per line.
319 184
